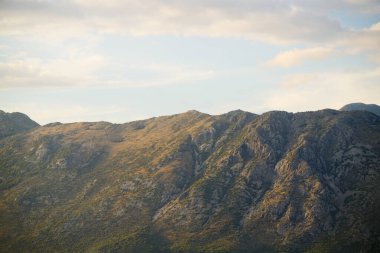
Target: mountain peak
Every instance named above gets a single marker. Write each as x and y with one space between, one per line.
194 112
362 107
15 122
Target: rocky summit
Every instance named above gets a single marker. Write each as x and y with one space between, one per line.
362 107
12 123
192 182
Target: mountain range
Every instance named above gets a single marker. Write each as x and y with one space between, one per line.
192 182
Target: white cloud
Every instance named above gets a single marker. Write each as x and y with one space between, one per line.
361 1
301 92
273 21
364 39
298 56
304 23
299 80
375 27
37 72
182 76
270 21
87 70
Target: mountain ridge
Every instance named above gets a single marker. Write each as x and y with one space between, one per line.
192 182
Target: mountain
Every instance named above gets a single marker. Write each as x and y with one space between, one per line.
192 182
362 107
13 123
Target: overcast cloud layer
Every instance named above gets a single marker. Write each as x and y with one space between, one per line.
308 21
309 44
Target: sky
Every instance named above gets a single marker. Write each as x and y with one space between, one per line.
119 61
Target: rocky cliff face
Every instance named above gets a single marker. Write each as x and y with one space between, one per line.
238 182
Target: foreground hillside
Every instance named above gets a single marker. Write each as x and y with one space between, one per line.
238 182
